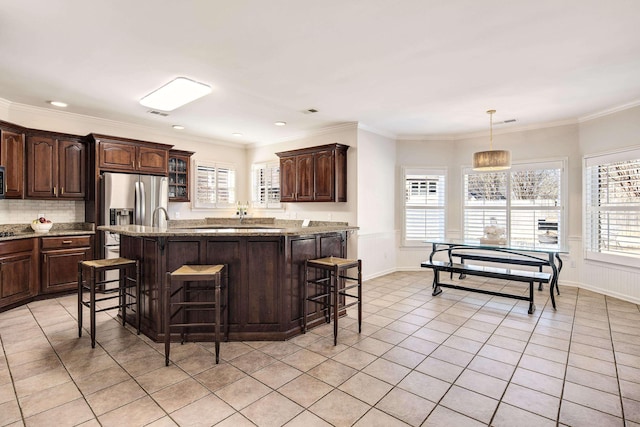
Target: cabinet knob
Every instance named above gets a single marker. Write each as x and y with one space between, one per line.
61 191
55 191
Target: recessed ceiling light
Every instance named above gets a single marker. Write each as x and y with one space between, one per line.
280 123
236 134
178 127
58 103
174 94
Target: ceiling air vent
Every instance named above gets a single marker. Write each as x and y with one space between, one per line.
158 113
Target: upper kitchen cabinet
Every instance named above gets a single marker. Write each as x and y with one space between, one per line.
12 157
56 167
179 162
127 155
314 174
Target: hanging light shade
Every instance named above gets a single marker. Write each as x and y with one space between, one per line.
492 160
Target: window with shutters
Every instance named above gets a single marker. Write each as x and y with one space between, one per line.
265 185
424 205
612 206
527 201
215 185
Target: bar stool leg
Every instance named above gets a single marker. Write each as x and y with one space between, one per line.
359 296
122 293
92 306
80 300
305 294
336 299
226 301
138 304
217 310
167 318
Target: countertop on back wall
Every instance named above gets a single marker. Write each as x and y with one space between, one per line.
24 231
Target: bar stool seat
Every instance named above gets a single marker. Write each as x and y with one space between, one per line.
129 278
192 298
332 286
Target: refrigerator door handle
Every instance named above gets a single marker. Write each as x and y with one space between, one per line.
142 201
136 210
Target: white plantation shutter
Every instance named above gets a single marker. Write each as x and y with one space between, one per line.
215 185
266 185
424 205
612 206
527 201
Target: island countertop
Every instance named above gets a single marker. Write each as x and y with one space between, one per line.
215 227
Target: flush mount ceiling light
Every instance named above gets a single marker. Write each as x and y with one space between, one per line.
176 93
280 123
238 134
492 160
178 127
58 104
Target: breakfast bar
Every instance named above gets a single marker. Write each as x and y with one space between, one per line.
265 262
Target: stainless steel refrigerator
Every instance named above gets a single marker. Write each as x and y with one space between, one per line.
131 199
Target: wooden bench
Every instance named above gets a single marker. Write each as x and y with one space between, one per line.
491 272
464 256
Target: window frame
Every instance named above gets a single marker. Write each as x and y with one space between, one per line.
426 170
231 189
274 168
588 231
509 209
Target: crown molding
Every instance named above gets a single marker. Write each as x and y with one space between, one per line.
90 124
365 127
308 134
609 111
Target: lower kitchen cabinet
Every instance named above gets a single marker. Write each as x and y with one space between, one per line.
18 271
60 256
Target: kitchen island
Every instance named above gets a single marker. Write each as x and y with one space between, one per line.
265 261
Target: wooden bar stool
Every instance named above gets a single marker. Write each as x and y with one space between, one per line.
194 296
334 284
129 278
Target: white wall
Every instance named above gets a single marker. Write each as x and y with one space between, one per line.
599 135
376 204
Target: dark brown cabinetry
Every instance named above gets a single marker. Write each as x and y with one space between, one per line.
18 271
179 165
59 261
12 157
131 156
56 167
314 174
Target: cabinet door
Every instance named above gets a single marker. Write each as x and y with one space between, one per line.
178 178
72 173
12 157
324 162
288 179
42 167
60 269
18 269
305 174
118 157
152 160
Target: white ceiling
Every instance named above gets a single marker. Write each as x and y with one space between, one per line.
404 68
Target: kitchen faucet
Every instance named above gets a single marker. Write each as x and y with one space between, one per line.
153 217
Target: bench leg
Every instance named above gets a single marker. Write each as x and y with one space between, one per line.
436 282
532 306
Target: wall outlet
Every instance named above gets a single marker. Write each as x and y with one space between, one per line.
177 215
573 264
330 216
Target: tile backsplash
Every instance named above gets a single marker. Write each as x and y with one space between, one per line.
24 211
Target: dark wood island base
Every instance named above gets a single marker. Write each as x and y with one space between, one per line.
266 273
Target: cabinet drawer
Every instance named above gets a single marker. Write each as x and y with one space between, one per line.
63 242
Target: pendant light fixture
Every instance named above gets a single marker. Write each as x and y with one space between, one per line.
492 160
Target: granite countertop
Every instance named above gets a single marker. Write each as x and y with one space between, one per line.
24 231
230 227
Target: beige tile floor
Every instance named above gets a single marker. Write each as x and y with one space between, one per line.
458 359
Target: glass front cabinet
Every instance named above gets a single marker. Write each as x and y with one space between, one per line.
179 162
